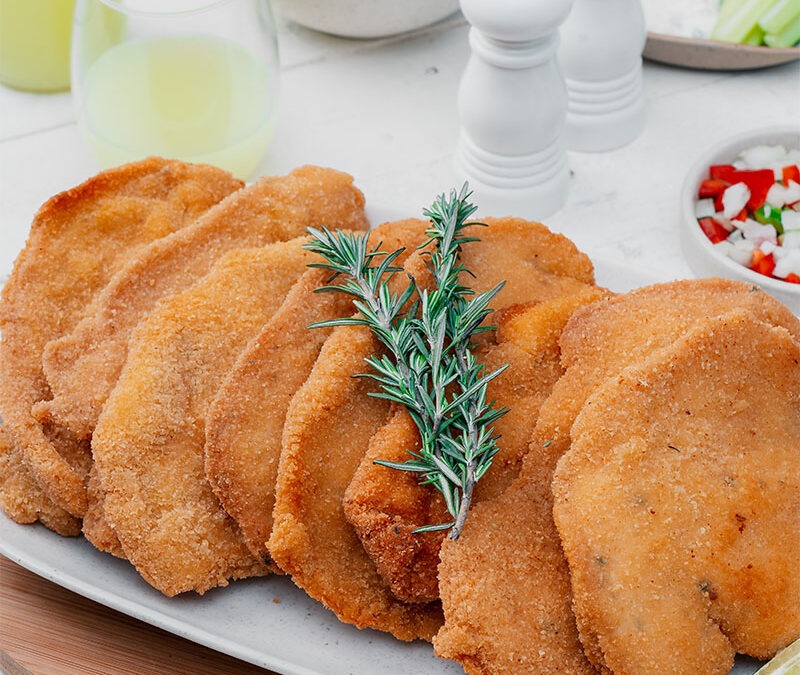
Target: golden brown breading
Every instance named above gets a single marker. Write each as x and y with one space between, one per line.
22 498
604 338
506 592
385 507
328 426
535 263
148 445
607 336
83 366
245 422
78 240
678 502
96 527
510 536
517 251
507 607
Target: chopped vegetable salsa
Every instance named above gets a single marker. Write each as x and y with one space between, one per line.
750 210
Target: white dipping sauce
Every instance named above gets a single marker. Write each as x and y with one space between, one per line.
683 18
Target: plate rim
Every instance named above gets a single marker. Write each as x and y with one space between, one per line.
695 52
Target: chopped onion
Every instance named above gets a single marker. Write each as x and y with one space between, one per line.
790 239
790 220
768 246
734 199
777 196
787 264
792 193
758 233
762 156
764 222
740 255
704 208
727 223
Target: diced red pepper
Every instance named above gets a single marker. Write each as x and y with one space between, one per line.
763 263
793 278
759 182
711 187
791 172
721 172
742 215
713 230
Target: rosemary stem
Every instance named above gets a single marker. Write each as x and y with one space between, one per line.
466 501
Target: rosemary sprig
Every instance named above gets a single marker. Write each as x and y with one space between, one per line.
429 367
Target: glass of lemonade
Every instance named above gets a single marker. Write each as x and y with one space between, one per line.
34 44
190 79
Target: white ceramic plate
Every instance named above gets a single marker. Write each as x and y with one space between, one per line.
294 635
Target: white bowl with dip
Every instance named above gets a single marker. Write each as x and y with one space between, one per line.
365 18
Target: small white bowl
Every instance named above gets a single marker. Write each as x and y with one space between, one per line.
700 254
365 18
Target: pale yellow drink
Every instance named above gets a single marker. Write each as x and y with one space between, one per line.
34 43
201 99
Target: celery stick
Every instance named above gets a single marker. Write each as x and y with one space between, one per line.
755 36
782 13
726 9
789 37
741 22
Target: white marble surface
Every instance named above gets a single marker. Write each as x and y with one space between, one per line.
385 111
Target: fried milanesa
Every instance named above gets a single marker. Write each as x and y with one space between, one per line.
78 240
328 426
605 337
83 366
22 498
506 591
678 502
598 341
512 536
245 422
384 507
535 263
506 609
96 527
148 445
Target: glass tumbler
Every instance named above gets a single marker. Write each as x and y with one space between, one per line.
34 44
188 79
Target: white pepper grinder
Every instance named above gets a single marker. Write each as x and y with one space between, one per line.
601 58
512 105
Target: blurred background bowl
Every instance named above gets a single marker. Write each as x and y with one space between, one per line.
365 18
699 252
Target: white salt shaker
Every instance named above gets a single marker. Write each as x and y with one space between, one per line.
601 58
512 105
